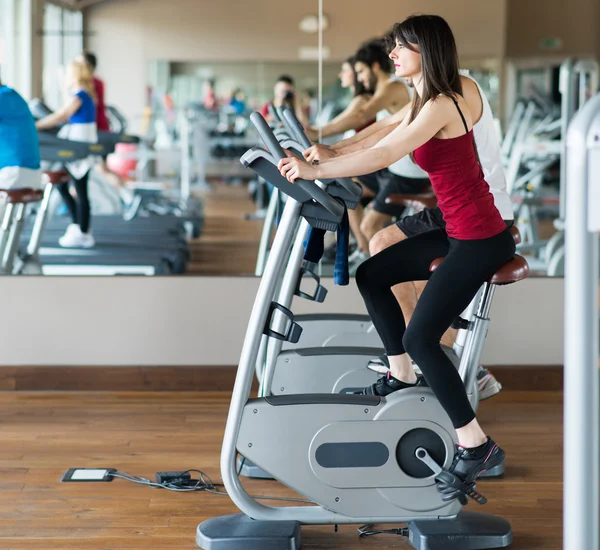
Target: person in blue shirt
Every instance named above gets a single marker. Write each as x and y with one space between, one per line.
238 102
19 145
80 114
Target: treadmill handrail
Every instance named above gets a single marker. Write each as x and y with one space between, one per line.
66 149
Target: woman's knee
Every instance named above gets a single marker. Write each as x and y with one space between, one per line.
362 276
368 276
415 343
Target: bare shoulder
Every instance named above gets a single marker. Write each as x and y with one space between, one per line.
440 103
470 91
398 86
468 84
473 97
360 100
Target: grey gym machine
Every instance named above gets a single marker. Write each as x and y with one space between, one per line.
333 362
319 363
360 459
28 262
536 140
581 507
575 83
344 369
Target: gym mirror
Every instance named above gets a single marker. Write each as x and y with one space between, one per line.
168 193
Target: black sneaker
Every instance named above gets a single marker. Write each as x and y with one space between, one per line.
468 464
387 384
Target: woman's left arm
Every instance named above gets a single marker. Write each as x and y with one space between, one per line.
60 116
434 116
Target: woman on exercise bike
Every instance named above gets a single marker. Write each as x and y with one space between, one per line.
438 134
345 121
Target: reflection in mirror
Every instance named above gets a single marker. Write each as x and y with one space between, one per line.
523 159
214 100
162 178
546 94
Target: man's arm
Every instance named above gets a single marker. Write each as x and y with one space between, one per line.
392 93
405 138
369 141
390 121
349 119
364 133
363 140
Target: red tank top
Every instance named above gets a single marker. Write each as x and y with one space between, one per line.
101 119
458 183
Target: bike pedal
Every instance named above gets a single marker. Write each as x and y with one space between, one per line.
475 495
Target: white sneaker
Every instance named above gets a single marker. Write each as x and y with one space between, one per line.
88 240
355 259
358 256
72 229
488 385
74 238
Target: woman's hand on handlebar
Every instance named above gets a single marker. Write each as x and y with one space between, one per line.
294 168
319 152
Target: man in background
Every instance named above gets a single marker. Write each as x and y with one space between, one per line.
284 93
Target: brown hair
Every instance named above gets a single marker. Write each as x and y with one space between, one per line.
439 57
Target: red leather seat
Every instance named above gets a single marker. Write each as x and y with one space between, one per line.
21 196
417 202
515 270
514 231
57 177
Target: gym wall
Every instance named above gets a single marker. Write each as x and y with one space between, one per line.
201 321
126 34
530 22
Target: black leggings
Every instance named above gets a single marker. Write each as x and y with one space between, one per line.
80 211
468 264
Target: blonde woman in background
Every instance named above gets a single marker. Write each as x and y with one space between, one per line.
79 112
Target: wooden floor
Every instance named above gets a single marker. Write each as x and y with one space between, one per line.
43 434
229 242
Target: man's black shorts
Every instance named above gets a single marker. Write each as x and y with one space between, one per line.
384 183
425 220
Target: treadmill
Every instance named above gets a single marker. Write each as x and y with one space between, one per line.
122 248
148 202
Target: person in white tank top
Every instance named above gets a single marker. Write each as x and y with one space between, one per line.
490 156
373 69
403 177
405 167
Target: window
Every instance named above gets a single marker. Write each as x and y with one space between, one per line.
7 41
63 41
